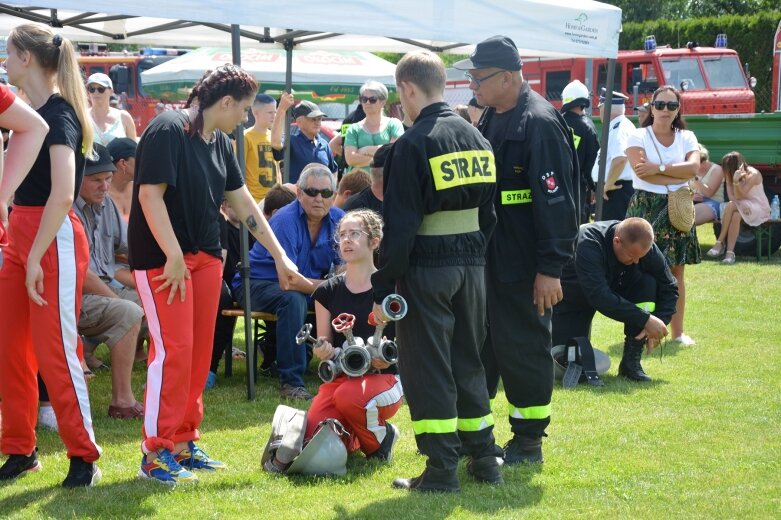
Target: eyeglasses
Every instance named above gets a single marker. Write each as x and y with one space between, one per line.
353 235
671 105
92 89
478 81
369 99
313 192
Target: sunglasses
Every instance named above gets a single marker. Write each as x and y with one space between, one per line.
92 89
370 99
352 235
478 81
671 105
313 192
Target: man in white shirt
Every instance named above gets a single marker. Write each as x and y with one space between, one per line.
618 177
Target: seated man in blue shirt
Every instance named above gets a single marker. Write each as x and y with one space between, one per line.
305 229
306 146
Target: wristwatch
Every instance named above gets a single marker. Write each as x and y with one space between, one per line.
662 168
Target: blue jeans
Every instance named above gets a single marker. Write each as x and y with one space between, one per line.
290 308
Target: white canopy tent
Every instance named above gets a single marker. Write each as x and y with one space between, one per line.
321 76
550 28
539 28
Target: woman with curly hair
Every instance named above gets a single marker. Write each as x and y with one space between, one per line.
185 165
665 157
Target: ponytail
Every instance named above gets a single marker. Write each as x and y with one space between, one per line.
56 56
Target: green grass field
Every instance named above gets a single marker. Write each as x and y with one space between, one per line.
701 441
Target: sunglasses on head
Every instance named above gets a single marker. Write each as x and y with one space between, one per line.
671 105
369 99
92 89
313 192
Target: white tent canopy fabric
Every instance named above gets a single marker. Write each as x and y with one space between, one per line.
539 27
321 76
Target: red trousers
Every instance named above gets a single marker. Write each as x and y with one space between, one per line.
180 351
361 404
44 339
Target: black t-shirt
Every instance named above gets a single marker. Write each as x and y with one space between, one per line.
334 295
64 129
497 128
197 174
363 199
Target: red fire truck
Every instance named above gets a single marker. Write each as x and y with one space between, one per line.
125 70
712 78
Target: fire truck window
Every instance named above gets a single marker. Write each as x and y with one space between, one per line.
682 70
724 72
602 78
643 75
555 83
96 68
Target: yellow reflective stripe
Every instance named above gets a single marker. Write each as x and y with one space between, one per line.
476 424
435 426
491 405
461 168
575 138
647 306
516 196
530 412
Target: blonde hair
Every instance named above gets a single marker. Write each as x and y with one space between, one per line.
56 56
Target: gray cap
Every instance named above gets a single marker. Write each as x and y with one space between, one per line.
307 109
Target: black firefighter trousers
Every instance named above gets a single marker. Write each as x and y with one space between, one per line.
439 362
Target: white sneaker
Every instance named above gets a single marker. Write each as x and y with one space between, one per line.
47 419
684 341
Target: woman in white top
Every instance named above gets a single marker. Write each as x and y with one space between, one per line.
108 122
364 138
708 187
664 157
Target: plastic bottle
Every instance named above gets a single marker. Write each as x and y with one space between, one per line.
775 210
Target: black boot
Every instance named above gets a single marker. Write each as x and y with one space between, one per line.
523 450
630 367
81 474
432 480
485 469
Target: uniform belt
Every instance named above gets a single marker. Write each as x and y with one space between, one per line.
450 222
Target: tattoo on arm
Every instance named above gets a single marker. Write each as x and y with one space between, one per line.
252 225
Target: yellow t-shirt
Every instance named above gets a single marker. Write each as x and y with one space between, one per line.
261 168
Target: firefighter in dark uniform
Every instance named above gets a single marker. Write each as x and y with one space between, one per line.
620 272
439 181
534 237
576 99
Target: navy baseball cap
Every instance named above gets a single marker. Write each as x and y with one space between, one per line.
101 163
122 148
497 51
307 109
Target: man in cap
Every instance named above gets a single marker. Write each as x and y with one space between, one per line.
123 152
620 272
618 173
307 146
575 98
534 237
106 316
439 215
372 196
618 179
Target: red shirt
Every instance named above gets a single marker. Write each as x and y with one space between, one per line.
6 97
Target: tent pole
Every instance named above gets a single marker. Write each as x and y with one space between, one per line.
611 72
249 338
289 44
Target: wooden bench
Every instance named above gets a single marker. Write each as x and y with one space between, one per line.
258 331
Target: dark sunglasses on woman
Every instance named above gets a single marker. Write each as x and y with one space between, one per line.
92 89
371 99
671 105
